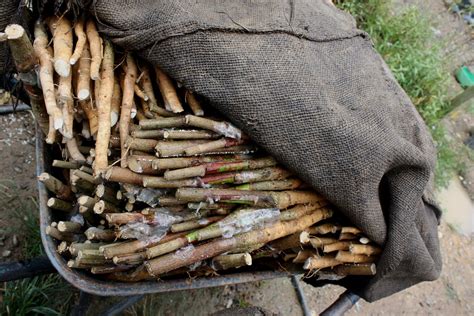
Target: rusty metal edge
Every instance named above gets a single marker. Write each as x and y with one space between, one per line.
90 285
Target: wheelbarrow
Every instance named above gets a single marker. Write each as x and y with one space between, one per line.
133 292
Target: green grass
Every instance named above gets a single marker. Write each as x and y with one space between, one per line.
407 43
242 303
42 295
146 307
27 215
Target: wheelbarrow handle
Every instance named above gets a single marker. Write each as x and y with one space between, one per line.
344 303
25 269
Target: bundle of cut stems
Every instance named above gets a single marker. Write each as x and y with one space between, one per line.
148 195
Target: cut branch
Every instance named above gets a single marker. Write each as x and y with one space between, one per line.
167 148
148 89
211 146
317 263
116 103
69 227
59 205
95 45
346 256
223 128
356 269
55 186
103 107
194 103
265 174
62 44
280 200
20 48
117 174
81 41
83 90
74 151
185 162
127 104
164 122
170 262
364 250
168 92
277 185
46 77
66 102
224 262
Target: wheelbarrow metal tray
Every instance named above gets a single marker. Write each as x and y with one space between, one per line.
87 283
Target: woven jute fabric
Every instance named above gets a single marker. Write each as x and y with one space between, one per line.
7 11
307 86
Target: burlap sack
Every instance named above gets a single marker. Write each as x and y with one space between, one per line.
308 86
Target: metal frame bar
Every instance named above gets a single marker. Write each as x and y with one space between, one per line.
25 269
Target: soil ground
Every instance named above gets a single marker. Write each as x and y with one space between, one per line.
17 179
451 294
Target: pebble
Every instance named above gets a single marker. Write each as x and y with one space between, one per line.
6 253
226 290
15 241
436 32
